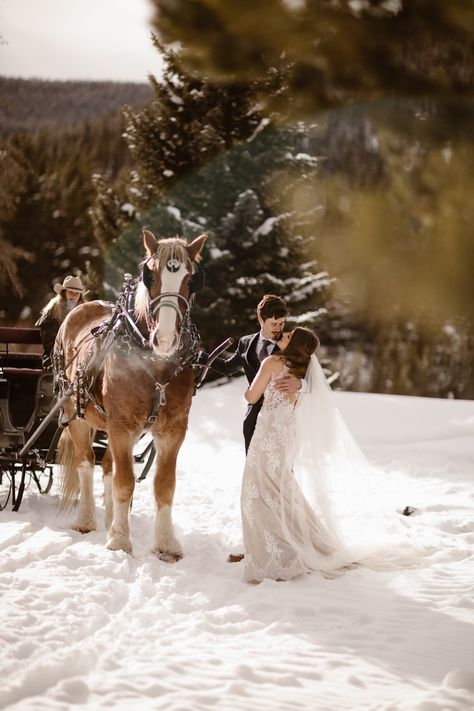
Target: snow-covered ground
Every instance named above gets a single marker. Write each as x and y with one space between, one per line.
83 626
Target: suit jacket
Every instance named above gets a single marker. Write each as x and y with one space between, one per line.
244 357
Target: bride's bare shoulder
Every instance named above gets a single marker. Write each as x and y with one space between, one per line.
274 364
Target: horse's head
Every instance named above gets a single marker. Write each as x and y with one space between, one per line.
163 297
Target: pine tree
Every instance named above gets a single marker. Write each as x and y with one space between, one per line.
106 214
206 160
256 248
188 122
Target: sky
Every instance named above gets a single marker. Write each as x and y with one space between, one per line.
77 39
84 627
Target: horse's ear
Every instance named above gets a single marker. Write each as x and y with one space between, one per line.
195 248
150 242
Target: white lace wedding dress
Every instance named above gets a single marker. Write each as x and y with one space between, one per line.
344 515
282 536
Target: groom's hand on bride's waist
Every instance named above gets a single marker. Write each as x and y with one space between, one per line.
288 384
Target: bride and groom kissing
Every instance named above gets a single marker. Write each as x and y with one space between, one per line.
307 500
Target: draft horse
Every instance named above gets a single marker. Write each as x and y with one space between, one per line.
132 369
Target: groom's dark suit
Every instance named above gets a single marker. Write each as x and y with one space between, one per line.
244 357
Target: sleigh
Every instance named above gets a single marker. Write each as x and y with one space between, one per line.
29 426
26 396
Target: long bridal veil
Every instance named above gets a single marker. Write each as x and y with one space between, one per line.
355 520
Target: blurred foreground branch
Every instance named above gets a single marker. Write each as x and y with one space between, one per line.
335 52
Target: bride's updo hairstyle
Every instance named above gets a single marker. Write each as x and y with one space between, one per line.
301 346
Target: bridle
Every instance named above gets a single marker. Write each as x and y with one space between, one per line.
155 305
165 300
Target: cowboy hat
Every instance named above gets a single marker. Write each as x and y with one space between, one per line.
71 283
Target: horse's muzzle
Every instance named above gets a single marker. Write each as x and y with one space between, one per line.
164 346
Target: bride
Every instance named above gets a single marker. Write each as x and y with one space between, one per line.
308 497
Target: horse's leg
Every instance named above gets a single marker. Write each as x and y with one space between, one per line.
166 546
82 435
123 484
108 500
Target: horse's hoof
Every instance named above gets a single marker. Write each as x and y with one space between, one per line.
119 544
167 557
85 527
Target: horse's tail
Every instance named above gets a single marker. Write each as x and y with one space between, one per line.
69 487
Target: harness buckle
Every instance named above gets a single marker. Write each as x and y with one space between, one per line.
161 387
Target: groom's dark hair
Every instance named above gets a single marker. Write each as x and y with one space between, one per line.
271 306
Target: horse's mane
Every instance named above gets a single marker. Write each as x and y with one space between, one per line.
171 248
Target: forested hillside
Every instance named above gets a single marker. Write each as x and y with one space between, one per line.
54 136
34 104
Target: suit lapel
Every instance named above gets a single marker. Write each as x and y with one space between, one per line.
251 352
253 345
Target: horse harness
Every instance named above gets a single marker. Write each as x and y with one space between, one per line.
121 335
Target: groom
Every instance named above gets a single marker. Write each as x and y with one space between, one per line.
252 349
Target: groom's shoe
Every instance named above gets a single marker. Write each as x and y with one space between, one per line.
235 557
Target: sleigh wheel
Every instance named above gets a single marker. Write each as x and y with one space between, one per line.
49 481
43 480
6 486
17 494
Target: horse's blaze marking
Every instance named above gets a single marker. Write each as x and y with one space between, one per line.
170 281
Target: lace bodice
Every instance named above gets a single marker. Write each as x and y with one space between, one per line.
273 398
